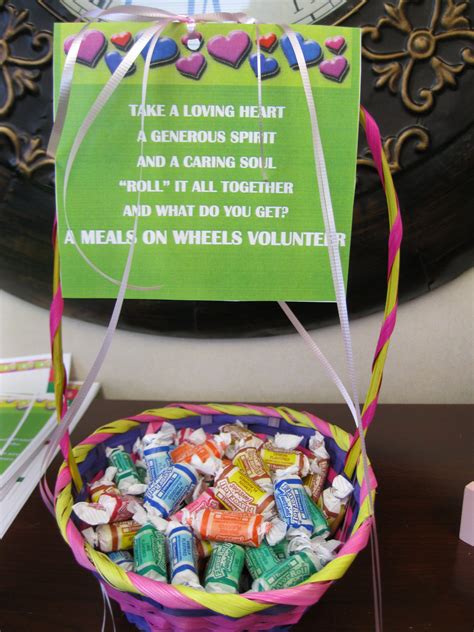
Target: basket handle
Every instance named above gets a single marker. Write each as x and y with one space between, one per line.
393 273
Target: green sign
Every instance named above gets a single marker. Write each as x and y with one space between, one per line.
211 226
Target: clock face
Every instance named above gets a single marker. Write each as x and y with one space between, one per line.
293 11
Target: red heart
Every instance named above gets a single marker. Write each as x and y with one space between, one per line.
268 41
122 40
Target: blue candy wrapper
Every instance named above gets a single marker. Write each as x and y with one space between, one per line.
171 486
182 555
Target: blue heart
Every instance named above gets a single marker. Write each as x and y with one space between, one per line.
269 66
113 61
311 50
165 51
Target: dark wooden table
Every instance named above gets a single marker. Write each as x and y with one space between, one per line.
423 457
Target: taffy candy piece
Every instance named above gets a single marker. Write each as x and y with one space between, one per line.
126 476
112 537
150 553
224 568
182 555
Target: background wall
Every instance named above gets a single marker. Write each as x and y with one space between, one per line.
431 359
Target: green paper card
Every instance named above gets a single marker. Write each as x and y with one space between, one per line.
210 227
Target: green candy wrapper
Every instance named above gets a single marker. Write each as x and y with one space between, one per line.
280 550
260 559
321 525
224 568
149 550
126 477
294 570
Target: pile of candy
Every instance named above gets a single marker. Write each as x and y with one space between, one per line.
258 507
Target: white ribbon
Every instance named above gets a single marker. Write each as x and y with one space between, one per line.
151 35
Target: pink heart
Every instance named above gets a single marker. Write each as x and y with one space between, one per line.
335 44
192 66
193 41
230 50
91 49
334 68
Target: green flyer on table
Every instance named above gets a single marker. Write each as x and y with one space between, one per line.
212 224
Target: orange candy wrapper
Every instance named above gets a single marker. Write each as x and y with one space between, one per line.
239 527
186 450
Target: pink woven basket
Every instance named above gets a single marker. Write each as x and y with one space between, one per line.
157 606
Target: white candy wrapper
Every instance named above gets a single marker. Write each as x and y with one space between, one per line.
337 495
105 484
182 555
198 437
323 549
237 435
319 467
321 454
316 441
276 532
166 435
149 515
287 441
334 500
210 468
109 508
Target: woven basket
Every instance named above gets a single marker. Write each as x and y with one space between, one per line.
152 605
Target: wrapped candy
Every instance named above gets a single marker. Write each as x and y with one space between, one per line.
182 555
112 537
261 559
149 551
156 449
319 466
165 494
104 485
334 500
190 435
295 569
237 492
142 471
279 458
205 500
238 527
248 459
224 568
208 448
322 549
240 437
291 501
271 522
126 476
108 508
124 559
306 558
320 524
157 458
287 441
280 550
